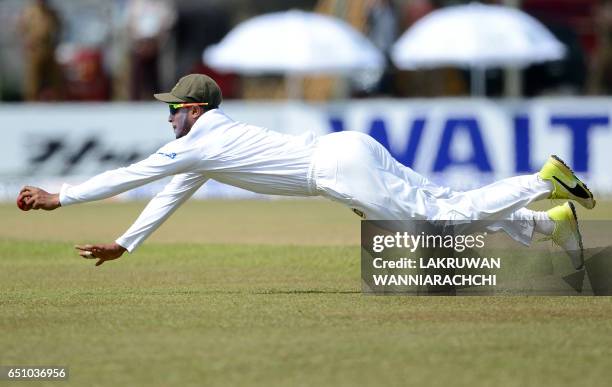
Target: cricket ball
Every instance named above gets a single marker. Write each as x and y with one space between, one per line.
22 205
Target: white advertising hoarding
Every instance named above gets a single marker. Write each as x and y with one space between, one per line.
463 143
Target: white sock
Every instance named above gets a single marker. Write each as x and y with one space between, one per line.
543 224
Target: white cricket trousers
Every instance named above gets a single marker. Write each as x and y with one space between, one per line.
356 170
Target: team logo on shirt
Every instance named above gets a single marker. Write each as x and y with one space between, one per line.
170 155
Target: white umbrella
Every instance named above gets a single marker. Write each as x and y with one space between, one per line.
295 43
476 36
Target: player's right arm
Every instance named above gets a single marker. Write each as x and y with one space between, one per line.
38 199
170 160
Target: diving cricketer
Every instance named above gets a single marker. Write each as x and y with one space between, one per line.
349 167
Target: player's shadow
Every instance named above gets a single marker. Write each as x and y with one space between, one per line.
308 291
262 292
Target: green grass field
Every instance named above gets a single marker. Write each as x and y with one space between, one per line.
267 293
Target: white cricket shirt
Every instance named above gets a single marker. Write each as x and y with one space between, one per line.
218 148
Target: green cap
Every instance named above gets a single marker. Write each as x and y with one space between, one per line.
193 88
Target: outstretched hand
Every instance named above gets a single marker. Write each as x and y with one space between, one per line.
102 253
34 198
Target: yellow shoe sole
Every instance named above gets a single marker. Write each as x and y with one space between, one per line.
566 184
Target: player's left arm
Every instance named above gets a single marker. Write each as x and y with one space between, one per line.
176 192
101 252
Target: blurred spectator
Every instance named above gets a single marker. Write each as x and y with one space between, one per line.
563 77
84 74
198 27
601 79
567 20
149 23
40 27
382 26
416 9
